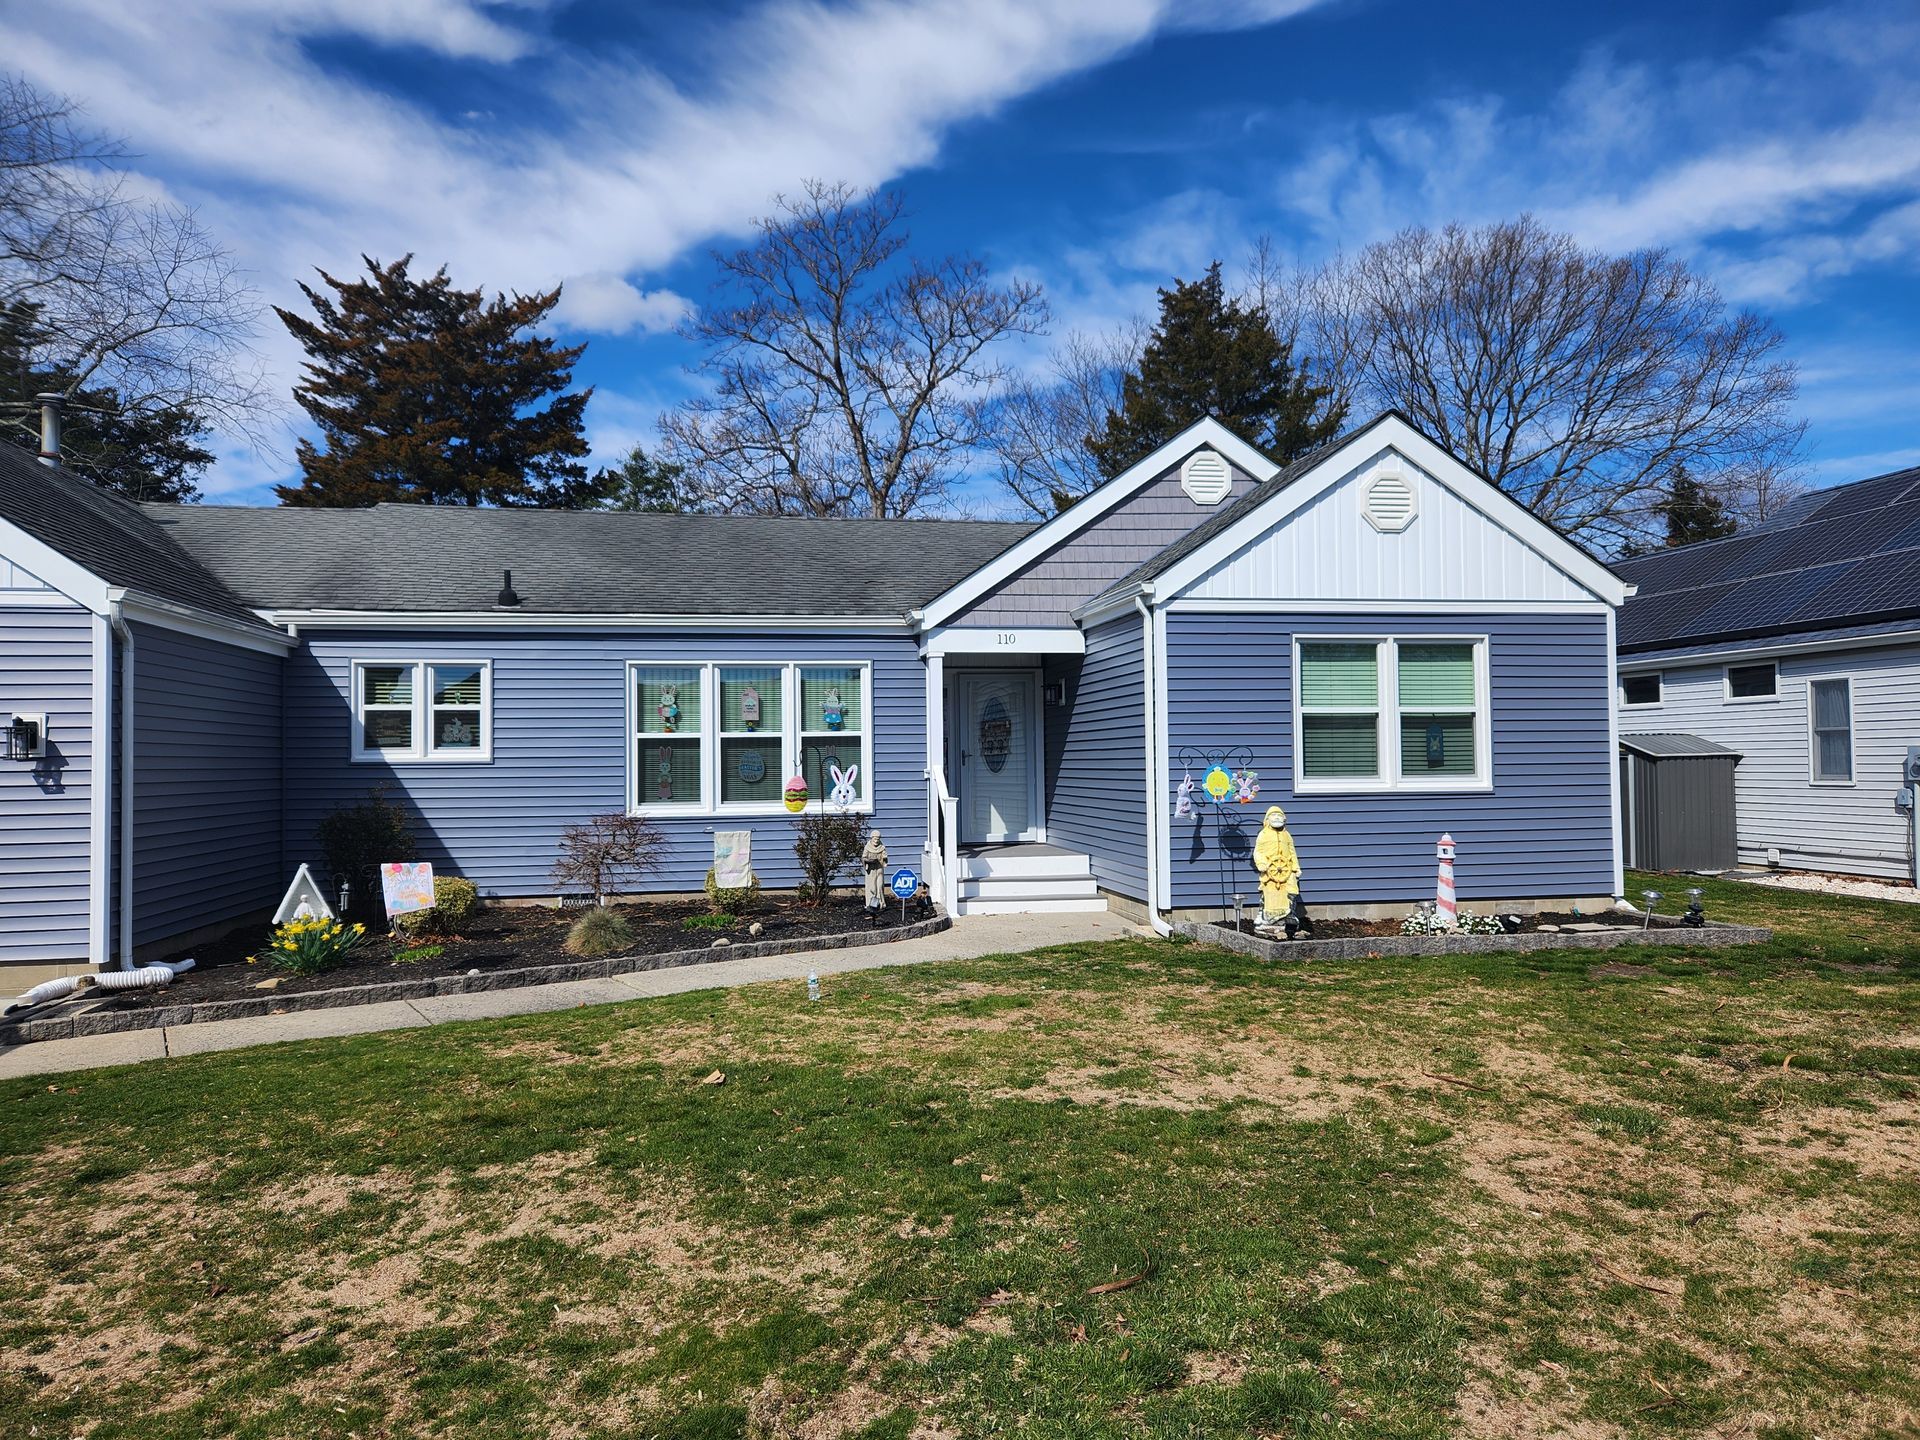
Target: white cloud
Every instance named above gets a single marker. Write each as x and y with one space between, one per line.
609 305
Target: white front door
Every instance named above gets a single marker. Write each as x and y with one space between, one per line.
999 757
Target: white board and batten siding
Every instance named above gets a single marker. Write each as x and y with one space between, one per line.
1847 828
1447 550
46 809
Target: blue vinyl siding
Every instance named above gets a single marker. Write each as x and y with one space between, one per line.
1096 756
46 665
1544 830
206 783
560 748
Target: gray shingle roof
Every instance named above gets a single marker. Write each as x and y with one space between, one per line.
428 558
108 535
1667 744
1847 556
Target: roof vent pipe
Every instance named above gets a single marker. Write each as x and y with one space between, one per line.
508 598
51 407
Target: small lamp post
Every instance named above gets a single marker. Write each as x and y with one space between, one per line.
1653 898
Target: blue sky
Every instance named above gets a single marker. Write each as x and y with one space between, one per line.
1098 147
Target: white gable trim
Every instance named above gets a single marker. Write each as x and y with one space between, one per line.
50 567
1391 432
1036 544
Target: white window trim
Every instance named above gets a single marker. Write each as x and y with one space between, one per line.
788 737
1391 779
421 751
1659 678
1813 738
1727 696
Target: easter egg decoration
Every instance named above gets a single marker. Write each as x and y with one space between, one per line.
795 795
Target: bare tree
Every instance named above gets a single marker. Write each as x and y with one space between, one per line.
116 300
848 378
1043 423
1577 381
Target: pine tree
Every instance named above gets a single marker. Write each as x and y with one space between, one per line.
640 482
1693 514
146 453
1212 355
429 394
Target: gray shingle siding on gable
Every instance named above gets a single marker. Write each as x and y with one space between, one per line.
1096 755
206 788
46 665
1545 830
1048 591
560 749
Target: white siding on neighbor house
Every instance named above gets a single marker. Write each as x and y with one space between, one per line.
1848 828
1327 550
46 666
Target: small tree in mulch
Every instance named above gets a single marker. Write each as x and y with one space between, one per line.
608 854
358 839
827 844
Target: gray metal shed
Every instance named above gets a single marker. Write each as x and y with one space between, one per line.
1677 802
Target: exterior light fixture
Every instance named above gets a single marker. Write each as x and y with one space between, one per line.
1696 915
27 737
1653 898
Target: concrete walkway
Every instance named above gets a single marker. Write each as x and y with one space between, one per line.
971 935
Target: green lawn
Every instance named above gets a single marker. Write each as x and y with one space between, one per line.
1619 1193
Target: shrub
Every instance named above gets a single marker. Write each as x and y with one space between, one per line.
732 899
602 851
599 932
358 839
826 844
454 901
308 947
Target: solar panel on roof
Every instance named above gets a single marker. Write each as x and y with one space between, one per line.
1767 601
1868 587
1868 494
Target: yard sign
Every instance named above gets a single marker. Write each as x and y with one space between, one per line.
407 888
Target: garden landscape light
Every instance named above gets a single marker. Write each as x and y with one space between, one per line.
1653 898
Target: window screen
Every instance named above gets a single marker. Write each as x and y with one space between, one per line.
1832 730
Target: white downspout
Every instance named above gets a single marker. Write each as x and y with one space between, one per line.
1150 720
125 631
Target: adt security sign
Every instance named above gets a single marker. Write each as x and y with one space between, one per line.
903 883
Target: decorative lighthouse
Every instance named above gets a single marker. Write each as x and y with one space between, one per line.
1443 901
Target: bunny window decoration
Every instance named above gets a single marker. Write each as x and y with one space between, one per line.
833 710
844 791
669 709
750 708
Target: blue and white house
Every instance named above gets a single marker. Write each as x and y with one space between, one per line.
1392 648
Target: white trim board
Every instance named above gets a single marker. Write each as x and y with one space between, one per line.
298 620
1391 433
1038 543
1009 642
1283 606
53 568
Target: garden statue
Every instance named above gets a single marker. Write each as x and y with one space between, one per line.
1278 865
873 859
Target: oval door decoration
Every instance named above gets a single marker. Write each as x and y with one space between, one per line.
996 734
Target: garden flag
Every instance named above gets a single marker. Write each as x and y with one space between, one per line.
406 888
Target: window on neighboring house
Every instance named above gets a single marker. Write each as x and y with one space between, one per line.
1640 689
1391 713
1831 702
422 710
1752 682
717 738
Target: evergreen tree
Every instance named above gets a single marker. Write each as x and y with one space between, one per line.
1694 514
640 482
1209 354
147 453
429 394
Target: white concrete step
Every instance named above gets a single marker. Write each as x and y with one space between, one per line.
1024 862
1030 887
1030 907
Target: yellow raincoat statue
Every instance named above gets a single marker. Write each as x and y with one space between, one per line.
1278 865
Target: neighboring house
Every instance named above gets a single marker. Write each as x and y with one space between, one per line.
1396 648
1795 644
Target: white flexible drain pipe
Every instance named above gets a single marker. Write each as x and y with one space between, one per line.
148 977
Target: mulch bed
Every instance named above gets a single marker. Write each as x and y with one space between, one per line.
497 937
1362 929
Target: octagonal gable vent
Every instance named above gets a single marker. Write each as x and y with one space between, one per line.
1391 503
1206 477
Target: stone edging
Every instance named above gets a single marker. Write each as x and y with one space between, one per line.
1663 932
107 1022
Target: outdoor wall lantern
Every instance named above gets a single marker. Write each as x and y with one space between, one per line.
27 737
